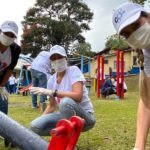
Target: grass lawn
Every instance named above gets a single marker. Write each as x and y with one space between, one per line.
115 120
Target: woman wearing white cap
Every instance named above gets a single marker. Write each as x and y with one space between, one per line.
9 54
132 22
67 90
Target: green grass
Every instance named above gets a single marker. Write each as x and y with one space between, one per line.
115 120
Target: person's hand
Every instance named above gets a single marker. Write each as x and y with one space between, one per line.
41 91
4 94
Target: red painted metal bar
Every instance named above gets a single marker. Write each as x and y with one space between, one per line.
117 70
98 76
102 70
122 76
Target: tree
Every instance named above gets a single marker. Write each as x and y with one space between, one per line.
82 49
57 22
139 1
114 42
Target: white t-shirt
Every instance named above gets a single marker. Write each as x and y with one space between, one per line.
12 80
146 54
42 62
72 75
124 85
5 59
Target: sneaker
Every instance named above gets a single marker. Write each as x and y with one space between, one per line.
6 142
117 98
12 145
34 107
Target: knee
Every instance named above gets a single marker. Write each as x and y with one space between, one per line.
65 102
67 107
35 128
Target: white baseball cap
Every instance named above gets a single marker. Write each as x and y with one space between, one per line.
10 26
126 14
58 50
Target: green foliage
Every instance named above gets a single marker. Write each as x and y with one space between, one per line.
57 22
83 49
139 1
115 42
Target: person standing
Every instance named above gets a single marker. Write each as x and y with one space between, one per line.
132 22
68 95
12 83
9 55
40 69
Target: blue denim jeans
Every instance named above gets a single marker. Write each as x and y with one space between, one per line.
3 105
67 108
39 79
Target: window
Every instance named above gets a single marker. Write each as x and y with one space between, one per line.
115 64
105 61
134 61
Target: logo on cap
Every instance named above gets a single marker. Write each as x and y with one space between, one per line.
119 15
11 24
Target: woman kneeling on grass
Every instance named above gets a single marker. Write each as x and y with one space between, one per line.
67 90
132 22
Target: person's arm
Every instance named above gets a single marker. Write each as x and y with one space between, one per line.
143 125
51 107
6 78
76 93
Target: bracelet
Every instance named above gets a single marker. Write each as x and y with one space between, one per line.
55 93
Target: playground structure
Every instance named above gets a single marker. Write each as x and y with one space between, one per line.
23 79
19 135
88 80
64 136
100 73
22 70
119 74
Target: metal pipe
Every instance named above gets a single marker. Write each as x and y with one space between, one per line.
21 136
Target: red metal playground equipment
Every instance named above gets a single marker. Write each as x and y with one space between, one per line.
119 73
64 136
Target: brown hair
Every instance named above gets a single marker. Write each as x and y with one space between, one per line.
143 80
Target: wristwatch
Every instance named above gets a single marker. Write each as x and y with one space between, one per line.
55 93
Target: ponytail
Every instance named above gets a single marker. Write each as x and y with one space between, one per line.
143 80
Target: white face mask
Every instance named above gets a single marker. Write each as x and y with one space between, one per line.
140 39
6 40
59 65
